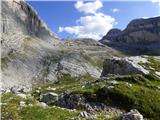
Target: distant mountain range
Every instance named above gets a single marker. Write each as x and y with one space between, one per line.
141 36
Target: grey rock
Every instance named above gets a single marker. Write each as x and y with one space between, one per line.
128 84
110 87
123 66
111 35
22 103
132 115
84 114
22 95
42 104
113 82
158 87
49 97
87 115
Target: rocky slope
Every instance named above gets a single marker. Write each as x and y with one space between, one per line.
45 78
140 37
117 91
32 54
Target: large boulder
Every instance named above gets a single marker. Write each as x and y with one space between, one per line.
124 66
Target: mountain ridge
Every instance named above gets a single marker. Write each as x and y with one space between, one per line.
140 34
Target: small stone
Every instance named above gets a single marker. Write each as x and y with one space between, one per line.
158 87
113 82
22 103
42 104
7 91
50 88
128 84
84 114
39 88
72 110
87 115
110 87
22 95
37 91
30 104
26 90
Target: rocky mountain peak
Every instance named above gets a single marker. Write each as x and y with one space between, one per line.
19 17
137 31
142 34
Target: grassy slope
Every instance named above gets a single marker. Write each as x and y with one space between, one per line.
143 95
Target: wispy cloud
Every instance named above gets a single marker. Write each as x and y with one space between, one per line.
94 25
90 7
115 10
156 2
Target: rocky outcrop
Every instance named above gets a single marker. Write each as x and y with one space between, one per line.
141 36
132 115
20 17
124 66
79 101
111 35
49 97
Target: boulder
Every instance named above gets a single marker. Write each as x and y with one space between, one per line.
49 97
71 101
132 115
123 66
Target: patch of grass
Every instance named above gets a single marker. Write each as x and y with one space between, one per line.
39 113
109 116
146 100
66 83
139 79
152 65
97 62
12 110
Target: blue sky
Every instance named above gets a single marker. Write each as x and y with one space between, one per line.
91 19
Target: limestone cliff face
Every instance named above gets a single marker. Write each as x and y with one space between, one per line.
137 31
25 45
141 34
18 17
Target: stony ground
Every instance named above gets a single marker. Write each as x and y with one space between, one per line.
81 98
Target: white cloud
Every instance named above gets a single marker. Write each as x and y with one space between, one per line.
156 1
90 7
115 10
94 26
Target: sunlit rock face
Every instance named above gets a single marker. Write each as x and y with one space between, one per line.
124 66
140 34
25 43
18 17
137 31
